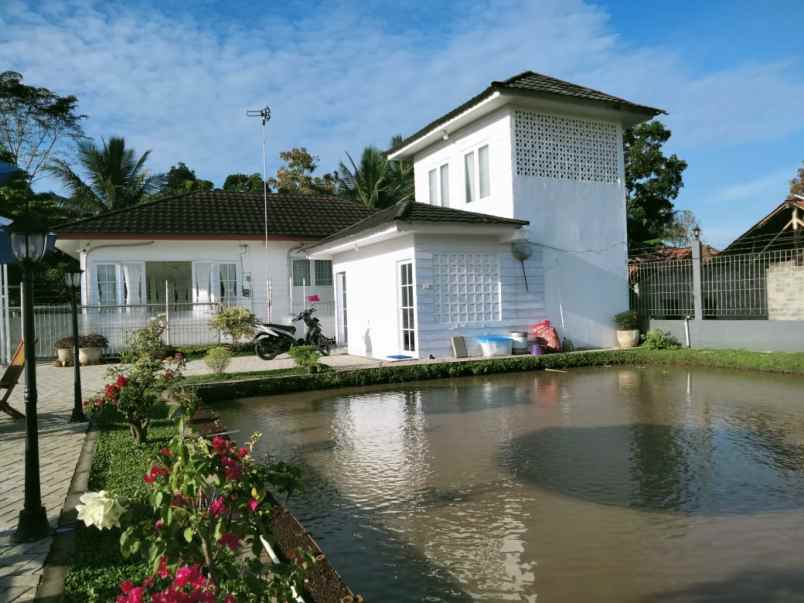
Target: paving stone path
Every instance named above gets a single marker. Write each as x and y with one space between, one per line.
60 445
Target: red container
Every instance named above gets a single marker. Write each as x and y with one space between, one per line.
545 335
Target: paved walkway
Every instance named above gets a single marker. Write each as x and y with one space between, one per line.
60 444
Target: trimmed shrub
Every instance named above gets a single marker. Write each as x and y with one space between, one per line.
656 339
236 322
627 321
306 357
217 359
146 343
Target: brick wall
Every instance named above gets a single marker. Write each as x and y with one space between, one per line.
785 292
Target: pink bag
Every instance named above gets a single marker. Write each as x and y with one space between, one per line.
545 335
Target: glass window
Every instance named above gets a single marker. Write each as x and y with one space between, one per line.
483 171
107 284
406 307
228 282
469 168
466 287
323 273
301 273
432 183
444 175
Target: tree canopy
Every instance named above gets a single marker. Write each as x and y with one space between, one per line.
375 182
115 178
181 179
652 182
35 123
296 176
241 183
797 183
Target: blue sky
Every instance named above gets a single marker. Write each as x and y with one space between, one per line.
177 77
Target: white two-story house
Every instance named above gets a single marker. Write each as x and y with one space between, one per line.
533 149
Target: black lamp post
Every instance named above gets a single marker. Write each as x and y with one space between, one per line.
28 244
72 279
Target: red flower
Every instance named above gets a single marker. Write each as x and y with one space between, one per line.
253 504
148 478
111 392
121 381
230 540
232 469
163 571
188 574
156 471
220 444
230 598
166 452
126 586
218 507
159 525
243 452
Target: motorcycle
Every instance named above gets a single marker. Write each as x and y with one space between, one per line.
272 339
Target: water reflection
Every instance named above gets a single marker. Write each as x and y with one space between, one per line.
518 487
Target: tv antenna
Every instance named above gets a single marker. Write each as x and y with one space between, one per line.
265 116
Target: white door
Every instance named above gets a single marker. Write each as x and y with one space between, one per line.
342 329
407 307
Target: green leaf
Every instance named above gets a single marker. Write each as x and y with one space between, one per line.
158 497
188 534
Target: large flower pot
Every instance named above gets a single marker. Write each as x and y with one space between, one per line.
65 356
628 339
90 355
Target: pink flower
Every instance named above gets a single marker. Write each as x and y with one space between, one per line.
126 586
232 469
136 595
159 524
218 507
243 452
187 574
253 504
220 444
230 540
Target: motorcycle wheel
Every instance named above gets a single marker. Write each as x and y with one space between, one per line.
265 350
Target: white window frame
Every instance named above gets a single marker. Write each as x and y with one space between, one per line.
214 282
475 181
120 298
315 273
400 308
118 286
438 183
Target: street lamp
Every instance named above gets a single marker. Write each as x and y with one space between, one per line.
72 279
28 245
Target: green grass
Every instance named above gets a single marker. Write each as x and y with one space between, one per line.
241 385
213 378
118 466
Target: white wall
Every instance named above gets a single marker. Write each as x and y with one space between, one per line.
580 224
372 296
519 306
494 130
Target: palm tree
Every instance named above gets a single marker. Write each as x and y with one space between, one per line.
116 179
375 182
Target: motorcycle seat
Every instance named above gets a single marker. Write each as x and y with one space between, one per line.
287 328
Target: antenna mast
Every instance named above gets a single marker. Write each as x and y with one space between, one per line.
265 116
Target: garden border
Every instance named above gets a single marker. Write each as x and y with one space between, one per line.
251 385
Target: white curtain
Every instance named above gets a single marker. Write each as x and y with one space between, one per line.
133 275
202 293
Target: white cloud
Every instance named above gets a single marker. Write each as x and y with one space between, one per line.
340 78
773 186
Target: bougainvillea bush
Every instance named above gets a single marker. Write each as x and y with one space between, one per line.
134 394
209 508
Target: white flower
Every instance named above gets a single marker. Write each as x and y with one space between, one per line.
100 509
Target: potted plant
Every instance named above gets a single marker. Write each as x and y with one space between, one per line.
90 348
64 351
627 328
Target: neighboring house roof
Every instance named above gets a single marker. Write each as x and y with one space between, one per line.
412 212
666 253
219 214
533 84
775 231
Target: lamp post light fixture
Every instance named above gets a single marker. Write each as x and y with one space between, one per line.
28 245
696 233
72 279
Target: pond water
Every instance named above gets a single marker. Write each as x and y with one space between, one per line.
613 484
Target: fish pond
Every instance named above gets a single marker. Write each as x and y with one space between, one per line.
604 484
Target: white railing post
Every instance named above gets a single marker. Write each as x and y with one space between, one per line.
697 291
167 313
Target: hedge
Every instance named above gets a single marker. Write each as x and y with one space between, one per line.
245 385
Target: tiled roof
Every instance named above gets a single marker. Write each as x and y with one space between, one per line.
535 84
219 213
413 212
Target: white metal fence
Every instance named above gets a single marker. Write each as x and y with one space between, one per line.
187 324
746 286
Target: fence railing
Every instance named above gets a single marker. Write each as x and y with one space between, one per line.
187 324
751 286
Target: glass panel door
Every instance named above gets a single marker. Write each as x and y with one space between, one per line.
406 307
341 335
